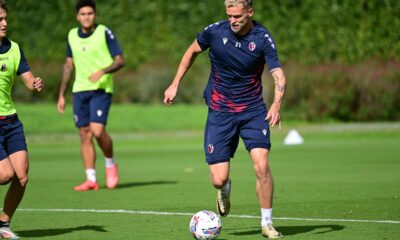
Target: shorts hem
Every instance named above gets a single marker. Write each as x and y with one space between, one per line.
258 145
17 150
212 162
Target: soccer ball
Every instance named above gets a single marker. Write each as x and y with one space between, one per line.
205 225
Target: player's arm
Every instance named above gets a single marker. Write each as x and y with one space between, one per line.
32 82
187 60
117 64
280 88
68 67
116 52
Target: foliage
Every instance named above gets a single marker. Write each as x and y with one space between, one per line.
307 30
363 92
342 37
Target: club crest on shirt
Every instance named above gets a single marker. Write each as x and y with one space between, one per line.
84 48
210 148
252 46
3 67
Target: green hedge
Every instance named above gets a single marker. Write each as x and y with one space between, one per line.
305 30
343 37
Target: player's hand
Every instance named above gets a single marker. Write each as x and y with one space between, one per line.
170 94
96 76
61 104
38 84
273 116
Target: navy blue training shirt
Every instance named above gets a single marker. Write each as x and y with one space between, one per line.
237 64
23 64
112 43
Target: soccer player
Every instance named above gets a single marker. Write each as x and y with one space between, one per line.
238 49
14 162
95 53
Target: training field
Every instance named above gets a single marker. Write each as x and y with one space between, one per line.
343 183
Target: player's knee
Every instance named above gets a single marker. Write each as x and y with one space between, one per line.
85 134
263 172
5 178
98 133
23 181
218 181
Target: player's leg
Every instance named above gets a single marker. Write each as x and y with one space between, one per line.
6 170
219 174
88 154
265 189
15 193
15 147
103 138
220 143
264 179
100 105
6 175
82 117
87 148
254 131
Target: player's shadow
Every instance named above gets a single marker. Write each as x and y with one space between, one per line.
58 231
291 230
140 184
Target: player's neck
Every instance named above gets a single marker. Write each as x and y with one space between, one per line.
246 29
89 29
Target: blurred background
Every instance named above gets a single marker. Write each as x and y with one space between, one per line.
341 57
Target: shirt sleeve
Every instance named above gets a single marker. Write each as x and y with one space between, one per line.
204 38
69 51
23 64
270 53
112 43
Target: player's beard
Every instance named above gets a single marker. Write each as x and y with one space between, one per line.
239 26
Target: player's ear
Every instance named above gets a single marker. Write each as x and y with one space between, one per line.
250 12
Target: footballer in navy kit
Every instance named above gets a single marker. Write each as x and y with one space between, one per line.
239 48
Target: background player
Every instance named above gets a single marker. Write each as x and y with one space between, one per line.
95 53
14 162
239 49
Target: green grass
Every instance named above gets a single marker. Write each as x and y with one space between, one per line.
341 172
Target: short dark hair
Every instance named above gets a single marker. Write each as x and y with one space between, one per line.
3 5
84 3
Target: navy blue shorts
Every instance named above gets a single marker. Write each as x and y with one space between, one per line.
221 136
12 137
91 106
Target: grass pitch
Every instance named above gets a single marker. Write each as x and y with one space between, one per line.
342 183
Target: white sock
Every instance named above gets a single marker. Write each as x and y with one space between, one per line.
266 216
226 188
91 174
110 162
